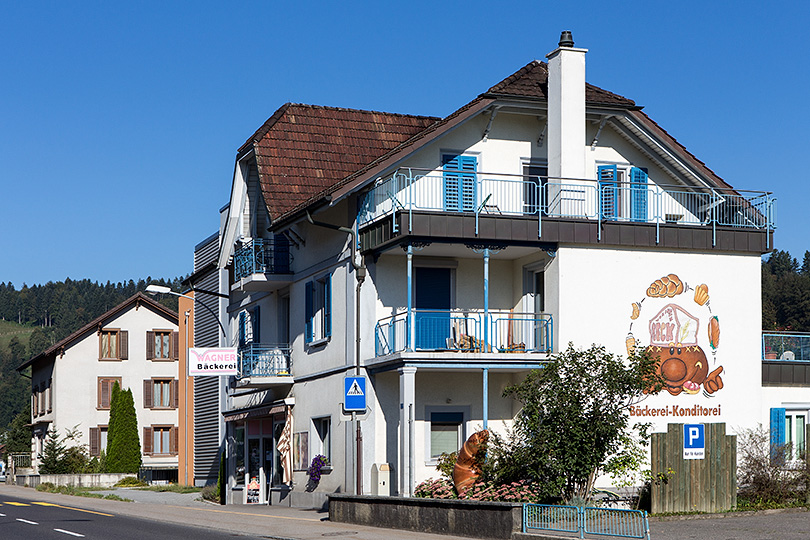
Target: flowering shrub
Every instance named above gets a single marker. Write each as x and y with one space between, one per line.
314 471
520 491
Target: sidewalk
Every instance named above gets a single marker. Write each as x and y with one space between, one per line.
275 522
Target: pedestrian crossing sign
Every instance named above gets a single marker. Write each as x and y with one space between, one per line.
354 393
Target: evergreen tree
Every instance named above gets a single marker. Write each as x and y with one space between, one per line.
52 457
805 269
18 437
123 442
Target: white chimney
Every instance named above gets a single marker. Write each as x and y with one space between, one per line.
566 110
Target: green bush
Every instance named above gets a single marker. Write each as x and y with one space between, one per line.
210 493
123 442
130 481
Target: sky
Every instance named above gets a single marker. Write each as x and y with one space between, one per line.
119 122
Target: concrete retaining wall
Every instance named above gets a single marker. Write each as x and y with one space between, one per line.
83 480
475 519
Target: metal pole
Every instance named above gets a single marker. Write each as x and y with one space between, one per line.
486 301
185 404
486 396
410 326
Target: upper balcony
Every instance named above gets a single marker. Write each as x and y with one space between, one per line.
786 359
623 206
495 331
262 263
262 365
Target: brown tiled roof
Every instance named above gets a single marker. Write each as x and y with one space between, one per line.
138 298
303 150
532 81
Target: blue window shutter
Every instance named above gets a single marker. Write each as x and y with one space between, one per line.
327 306
608 176
638 194
777 428
310 290
255 325
242 328
459 183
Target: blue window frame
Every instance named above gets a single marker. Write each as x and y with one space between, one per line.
318 308
459 182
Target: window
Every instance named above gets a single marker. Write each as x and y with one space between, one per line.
105 385
161 345
249 326
794 433
160 440
160 393
459 182
113 345
98 440
323 437
319 309
446 433
619 199
535 188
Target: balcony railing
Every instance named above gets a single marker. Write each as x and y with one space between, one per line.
786 347
263 360
410 190
467 331
262 256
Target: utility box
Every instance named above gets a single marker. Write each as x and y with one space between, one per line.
381 479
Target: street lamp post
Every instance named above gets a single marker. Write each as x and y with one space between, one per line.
159 289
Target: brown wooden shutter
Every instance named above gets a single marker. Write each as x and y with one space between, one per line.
175 395
94 441
100 344
175 346
147 394
50 395
147 441
123 345
103 394
173 440
150 345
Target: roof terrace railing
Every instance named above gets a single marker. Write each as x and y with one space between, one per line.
477 193
263 360
786 346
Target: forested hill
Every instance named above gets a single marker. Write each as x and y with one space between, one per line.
786 293
34 318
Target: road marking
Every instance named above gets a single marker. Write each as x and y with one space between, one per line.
26 521
69 532
17 503
72 508
249 514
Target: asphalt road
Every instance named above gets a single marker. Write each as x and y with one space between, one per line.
25 520
778 525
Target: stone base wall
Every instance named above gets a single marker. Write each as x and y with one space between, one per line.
83 480
475 519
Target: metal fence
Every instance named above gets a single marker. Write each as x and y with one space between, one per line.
501 331
787 347
263 360
580 520
262 256
518 195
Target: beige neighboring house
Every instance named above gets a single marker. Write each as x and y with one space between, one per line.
136 344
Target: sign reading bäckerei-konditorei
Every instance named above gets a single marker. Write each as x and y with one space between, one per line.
222 361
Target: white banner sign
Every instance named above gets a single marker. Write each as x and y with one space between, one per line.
204 362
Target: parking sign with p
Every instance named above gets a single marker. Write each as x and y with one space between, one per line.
694 441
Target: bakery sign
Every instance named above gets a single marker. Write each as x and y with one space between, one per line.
208 361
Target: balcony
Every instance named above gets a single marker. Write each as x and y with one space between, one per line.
499 331
263 264
786 347
482 196
263 364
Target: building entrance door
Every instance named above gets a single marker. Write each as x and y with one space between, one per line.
432 303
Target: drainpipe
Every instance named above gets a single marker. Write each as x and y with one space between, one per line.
360 275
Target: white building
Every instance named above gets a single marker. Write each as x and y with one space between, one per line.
443 258
135 344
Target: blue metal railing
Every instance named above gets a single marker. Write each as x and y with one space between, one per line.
462 330
615 522
518 195
263 360
786 347
262 256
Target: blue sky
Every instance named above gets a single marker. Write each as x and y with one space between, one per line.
119 122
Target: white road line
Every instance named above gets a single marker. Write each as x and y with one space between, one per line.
69 532
26 521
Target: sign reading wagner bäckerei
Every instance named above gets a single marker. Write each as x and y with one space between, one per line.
222 361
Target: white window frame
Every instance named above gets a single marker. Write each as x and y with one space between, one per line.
429 410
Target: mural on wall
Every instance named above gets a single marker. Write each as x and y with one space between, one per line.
674 335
